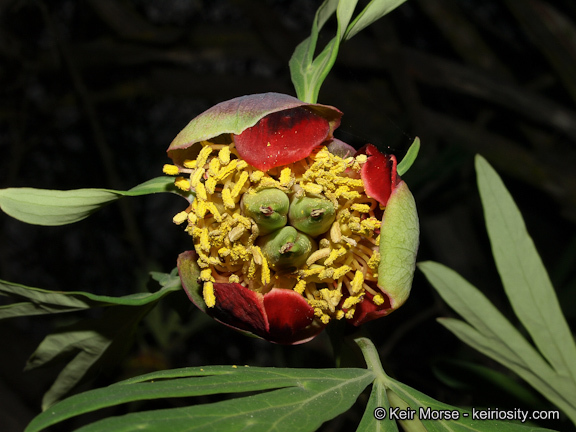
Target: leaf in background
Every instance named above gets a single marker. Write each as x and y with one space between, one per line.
87 346
409 158
57 207
492 334
308 73
375 10
298 399
36 301
523 274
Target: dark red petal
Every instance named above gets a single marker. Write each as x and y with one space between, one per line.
281 138
240 308
290 317
368 311
378 174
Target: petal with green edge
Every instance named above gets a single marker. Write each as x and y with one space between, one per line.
235 116
280 316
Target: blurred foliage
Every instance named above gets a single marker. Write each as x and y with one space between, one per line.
93 92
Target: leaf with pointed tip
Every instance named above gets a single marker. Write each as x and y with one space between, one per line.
294 399
409 158
375 10
35 301
60 207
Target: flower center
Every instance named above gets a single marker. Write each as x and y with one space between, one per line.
308 226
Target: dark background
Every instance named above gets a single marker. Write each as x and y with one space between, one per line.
92 93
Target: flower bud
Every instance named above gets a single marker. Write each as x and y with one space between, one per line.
312 216
286 248
268 208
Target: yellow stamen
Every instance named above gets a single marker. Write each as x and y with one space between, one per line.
224 155
180 218
378 300
170 169
357 282
189 164
208 294
182 183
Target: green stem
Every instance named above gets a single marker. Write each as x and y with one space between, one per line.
371 357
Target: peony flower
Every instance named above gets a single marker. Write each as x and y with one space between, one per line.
291 227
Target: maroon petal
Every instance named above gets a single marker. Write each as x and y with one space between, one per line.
290 317
282 138
240 308
378 174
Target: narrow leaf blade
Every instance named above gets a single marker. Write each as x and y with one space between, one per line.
306 397
375 10
60 207
523 274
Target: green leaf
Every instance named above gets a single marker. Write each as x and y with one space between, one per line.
297 399
36 301
409 158
375 10
56 207
376 406
86 347
406 397
492 334
523 274
308 73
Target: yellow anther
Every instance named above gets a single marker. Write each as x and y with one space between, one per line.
204 239
356 285
241 165
224 155
257 255
223 252
211 207
317 255
351 301
206 275
243 220
201 191
312 271
208 294
210 185
335 254
214 167
349 240
182 183
233 279
227 198
189 163
203 156
350 313
267 182
201 208
236 232
378 300
180 218
192 218
312 188
325 319
286 178
341 271
335 233
256 176
326 273
361 159
331 297
339 314
195 178
170 169
362 208
374 260
351 195
300 286
227 170
371 223
239 185
265 272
